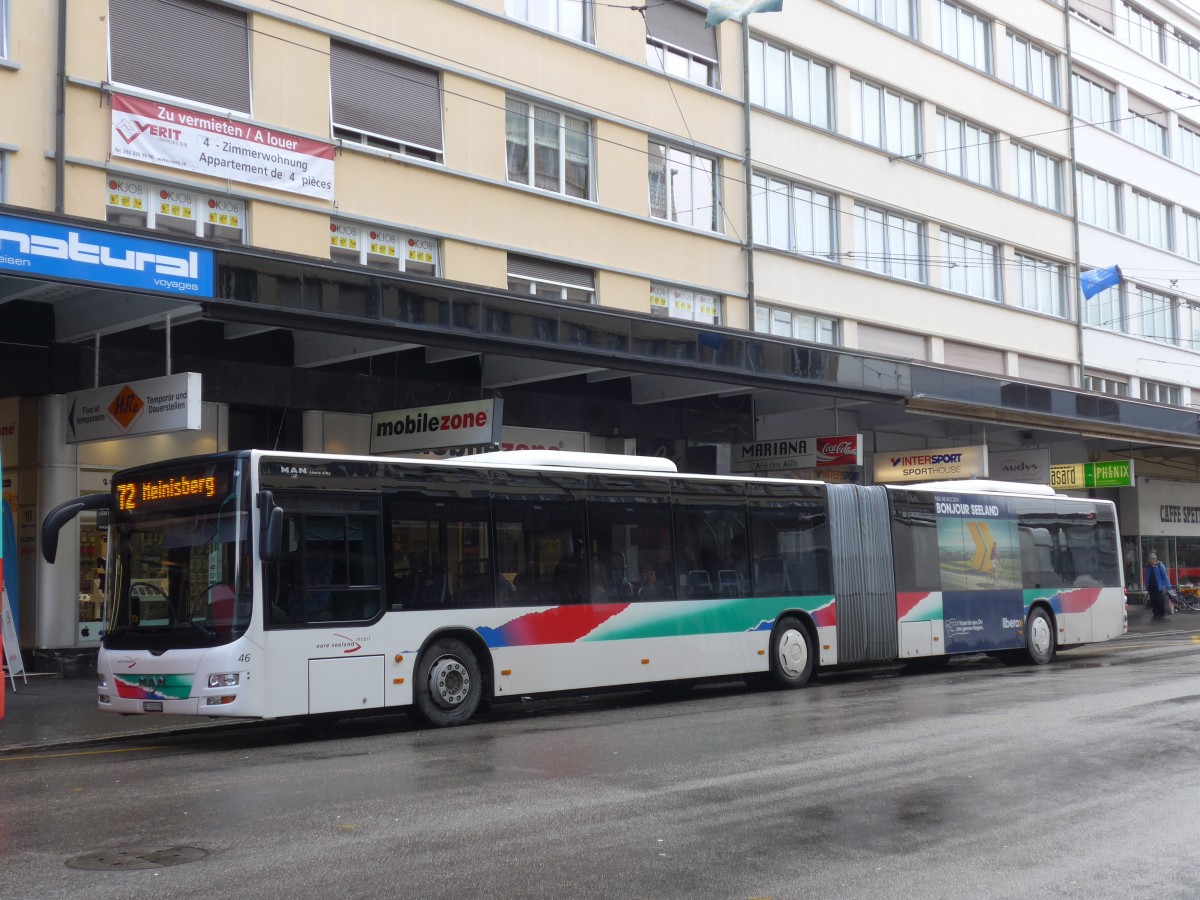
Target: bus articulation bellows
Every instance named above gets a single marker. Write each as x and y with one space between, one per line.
269 584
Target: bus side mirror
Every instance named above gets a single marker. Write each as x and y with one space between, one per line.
64 513
270 531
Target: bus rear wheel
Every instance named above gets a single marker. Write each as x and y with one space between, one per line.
1039 638
449 683
791 654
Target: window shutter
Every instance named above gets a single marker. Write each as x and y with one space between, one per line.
184 48
977 359
545 270
1098 11
385 97
904 344
682 26
1047 371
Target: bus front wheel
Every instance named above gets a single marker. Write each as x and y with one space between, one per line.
449 683
1039 637
791 654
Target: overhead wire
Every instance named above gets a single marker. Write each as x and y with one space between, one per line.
930 259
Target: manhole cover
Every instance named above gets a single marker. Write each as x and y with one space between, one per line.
118 860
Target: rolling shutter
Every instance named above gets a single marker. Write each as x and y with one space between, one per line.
681 26
1047 371
184 48
550 272
385 97
904 344
977 359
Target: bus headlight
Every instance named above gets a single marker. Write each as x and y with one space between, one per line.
224 679
101 679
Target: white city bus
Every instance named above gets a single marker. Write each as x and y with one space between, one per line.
275 584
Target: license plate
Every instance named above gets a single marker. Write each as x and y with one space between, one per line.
151 706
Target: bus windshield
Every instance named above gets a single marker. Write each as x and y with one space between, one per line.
181 559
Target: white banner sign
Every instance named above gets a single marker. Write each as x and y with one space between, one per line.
1168 507
1024 466
797 453
153 406
430 427
212 144
931 465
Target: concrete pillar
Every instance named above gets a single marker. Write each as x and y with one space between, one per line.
56 612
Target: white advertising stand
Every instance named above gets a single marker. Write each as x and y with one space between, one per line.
12 650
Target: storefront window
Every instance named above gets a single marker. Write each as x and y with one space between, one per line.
174 210
93 553
382 248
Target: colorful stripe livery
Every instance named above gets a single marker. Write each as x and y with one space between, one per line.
919 607
1076 600
153 687
624 621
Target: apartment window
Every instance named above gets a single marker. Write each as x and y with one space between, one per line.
1157 392
550 280
1139 31
1189 148
793 217
792 324
1040 285
1148 126
1187 58
562 147
1106 309
566 17
1098 200
1033 68
3 31
1153 315
966 150
897 15
889 243
174 210
1151 221
1191 234
385 102
678 43
1093 102
1037 177
1106 384
680 303
788 83
683 187
381 248
971 266
185 48
963 34
883 118
1189 337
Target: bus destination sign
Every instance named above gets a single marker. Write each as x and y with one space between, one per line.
170 490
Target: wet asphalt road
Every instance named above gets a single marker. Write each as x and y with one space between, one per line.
1081 779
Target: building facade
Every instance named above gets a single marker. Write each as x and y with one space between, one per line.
853 217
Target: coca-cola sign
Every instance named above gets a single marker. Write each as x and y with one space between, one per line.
843 450
787 454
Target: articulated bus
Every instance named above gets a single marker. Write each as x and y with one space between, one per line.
269 584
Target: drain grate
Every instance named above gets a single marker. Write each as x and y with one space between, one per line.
121 860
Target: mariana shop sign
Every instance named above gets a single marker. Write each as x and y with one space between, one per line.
797 453
34 247
152 406
931 465
430 427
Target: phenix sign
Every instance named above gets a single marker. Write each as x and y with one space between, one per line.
34 247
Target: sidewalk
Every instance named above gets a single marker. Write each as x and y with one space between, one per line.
53 712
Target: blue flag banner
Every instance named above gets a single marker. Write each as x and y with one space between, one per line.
720 10
1097 280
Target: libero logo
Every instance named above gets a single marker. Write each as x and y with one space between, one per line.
33 247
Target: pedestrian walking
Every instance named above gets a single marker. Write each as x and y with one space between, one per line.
1157 584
